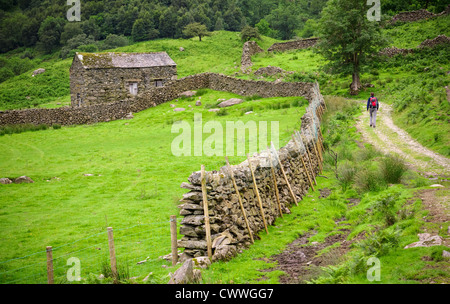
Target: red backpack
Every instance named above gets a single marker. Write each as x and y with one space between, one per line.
373 101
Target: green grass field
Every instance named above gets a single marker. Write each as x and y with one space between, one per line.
136 177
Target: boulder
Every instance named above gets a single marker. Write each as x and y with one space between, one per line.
198 103
23 180
224 253
184 274
37 72
230 102
426 240
129 116
5 181
181 49
188 94
202 262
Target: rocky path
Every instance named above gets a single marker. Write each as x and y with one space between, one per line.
391 139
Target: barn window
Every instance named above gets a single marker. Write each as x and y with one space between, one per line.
158 83
133 88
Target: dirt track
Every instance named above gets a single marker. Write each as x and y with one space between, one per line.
390 139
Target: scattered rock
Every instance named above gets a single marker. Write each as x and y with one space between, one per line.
23 180
37 72
446 254
129 116
230 102
5 181
188 94
172 106
224 253
198 103
202 262
214 110
248 113
101 276
185 274
436 186
271 71
179 109
181 49
426 240
147 277
88 174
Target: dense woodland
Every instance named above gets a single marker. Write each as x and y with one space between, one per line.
29 23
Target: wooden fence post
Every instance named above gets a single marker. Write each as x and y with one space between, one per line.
173 236
257 194
275 183
50 278
112 253
206 213
240 199
308 158
287 181
304 165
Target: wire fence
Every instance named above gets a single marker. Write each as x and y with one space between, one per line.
144 243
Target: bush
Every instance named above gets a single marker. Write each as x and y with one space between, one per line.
222 112
392 169
385 207
368 180
346 173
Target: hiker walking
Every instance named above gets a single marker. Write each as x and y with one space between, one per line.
372 107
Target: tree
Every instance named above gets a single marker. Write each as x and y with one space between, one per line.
50 33
143 30
71 29
347 38
263 27
196 29
249 32
285 21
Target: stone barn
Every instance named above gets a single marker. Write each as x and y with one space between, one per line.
109 77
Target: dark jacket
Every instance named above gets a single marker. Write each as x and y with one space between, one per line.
369 104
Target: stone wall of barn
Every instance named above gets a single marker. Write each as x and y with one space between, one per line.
103 112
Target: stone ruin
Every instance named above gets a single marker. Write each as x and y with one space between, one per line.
392 51
250 48
229 233
417 15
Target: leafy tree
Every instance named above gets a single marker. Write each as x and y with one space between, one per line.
220 26
249 32
167 23
114 41
348 38
264 28
284 20
196 29
143 30
76 43
50 33
71 29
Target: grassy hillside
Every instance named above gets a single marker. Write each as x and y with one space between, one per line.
220 53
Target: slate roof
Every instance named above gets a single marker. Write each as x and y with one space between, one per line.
124 60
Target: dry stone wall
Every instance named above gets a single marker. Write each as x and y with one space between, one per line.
392 51
293 45
229 232
120 109
250 48
417 15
